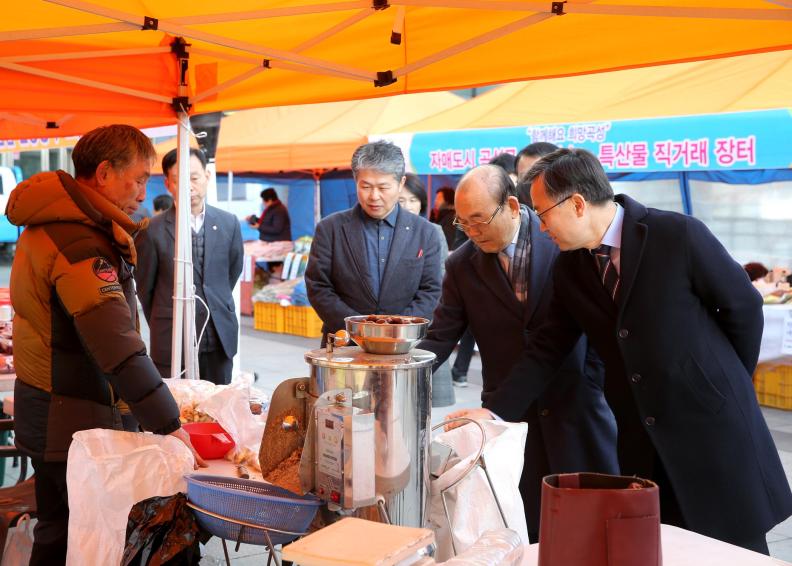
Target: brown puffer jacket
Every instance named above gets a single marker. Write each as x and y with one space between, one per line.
77 350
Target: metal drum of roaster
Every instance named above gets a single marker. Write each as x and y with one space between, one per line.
372 432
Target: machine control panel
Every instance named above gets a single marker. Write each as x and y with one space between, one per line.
345 456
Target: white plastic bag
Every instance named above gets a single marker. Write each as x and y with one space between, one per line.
107 472
471 505
189 391
495 548
230 406
19 543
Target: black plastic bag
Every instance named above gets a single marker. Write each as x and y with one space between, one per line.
162 531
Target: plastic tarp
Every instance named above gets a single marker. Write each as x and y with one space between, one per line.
69 65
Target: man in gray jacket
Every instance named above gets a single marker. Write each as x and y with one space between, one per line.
217 263
374 258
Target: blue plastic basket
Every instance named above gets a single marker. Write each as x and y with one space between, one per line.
253 502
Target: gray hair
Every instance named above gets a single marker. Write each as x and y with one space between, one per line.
381 156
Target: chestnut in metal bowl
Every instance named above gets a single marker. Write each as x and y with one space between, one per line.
386 334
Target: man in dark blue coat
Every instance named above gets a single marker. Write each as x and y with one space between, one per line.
499 284
678 326
374 258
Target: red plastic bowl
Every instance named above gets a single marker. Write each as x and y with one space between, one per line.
210 440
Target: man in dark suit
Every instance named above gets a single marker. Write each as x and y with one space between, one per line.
499 284
217 263
678 326
374 258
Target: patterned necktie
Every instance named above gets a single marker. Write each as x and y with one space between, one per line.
607 271
505 262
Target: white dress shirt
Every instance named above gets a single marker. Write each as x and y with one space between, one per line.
613 237
197 220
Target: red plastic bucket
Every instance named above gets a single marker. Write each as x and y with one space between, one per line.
210 440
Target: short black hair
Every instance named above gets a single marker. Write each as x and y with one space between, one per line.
523 190
269 194
448 194
415 187
536 149
163 202
506 161
569 171
170 159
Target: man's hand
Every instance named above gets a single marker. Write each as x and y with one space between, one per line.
474 414
182 435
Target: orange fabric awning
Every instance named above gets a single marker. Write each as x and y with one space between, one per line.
749 82
315 136
69 65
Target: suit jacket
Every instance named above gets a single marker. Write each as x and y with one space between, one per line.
679 348
222 266
275 224
337 277
570 427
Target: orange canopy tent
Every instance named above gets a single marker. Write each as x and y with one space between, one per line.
749 82
314 136
69 65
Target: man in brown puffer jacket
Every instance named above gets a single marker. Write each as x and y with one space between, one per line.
77 349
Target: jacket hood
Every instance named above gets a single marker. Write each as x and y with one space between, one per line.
55 196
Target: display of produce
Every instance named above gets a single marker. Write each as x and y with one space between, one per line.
188 413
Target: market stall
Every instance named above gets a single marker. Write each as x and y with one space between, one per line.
70 65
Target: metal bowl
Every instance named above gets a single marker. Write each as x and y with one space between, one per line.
386 339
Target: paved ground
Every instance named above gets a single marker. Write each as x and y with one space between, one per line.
275 357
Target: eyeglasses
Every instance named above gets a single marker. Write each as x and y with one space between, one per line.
562 201
468 225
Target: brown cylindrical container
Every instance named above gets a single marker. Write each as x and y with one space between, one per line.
599 520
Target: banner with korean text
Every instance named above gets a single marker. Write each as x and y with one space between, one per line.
743 140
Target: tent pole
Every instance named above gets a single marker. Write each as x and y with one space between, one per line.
182 213
84 82
609 9
48 33
84 55
227 84
182 31
338 28
429 196
271 13
23 119
256 62
471 43
317 175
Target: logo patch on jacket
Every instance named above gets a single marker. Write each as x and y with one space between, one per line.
104 271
